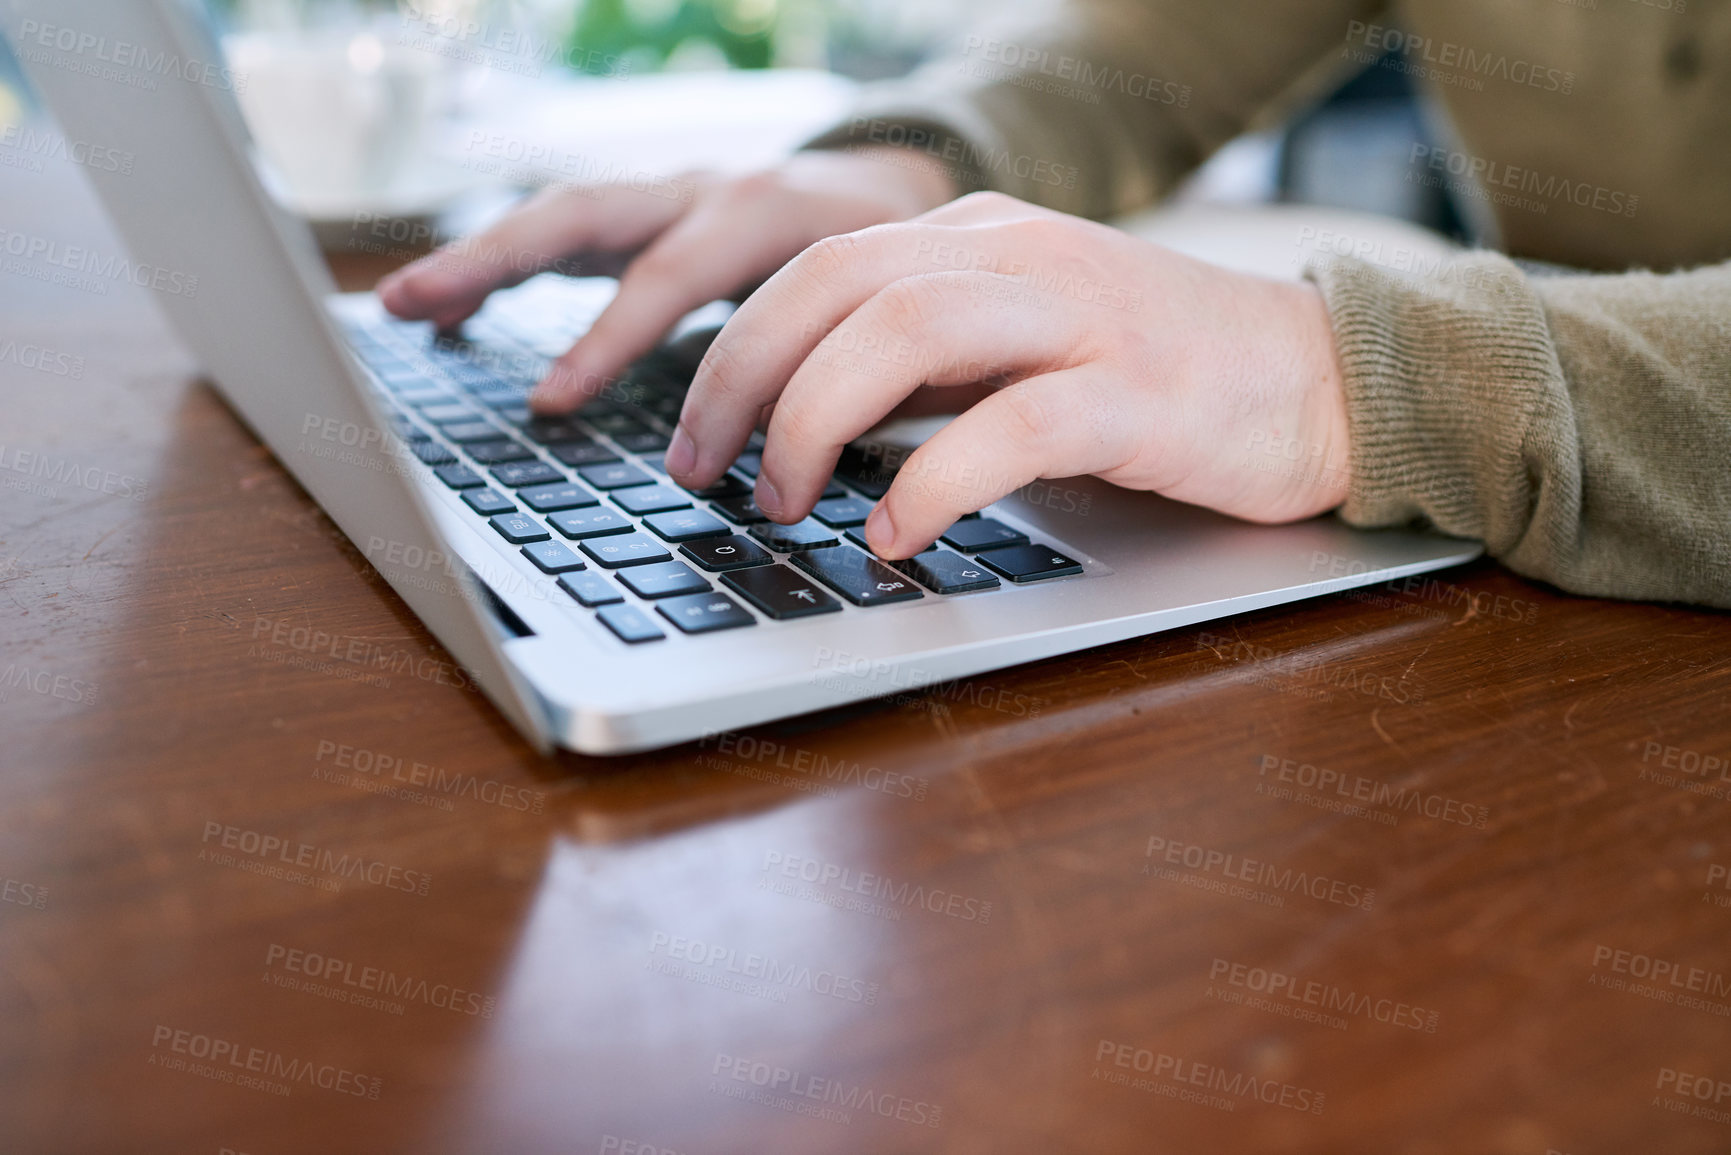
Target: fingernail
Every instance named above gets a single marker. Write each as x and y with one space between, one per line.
768 499
681 453
880 531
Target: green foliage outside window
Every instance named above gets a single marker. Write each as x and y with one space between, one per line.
648 32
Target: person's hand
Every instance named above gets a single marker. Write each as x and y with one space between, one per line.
682 244
1072 348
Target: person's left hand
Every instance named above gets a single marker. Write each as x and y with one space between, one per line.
1071 347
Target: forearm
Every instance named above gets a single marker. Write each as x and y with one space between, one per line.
1580 426
1106 107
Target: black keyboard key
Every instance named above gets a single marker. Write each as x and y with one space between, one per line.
724 553
976 534
947 573
432 453
843 512
488 502
805 534
521 473
615 476
727 486
492 400
750 464
594 522
862 580
858 537
832 489
740 510
518 528
647 441
630 624
556 431
514 414
459 476
668 579
867 487
553 557
780 593
556 496
585 452
655 461
863 472
624 549
642 499
591 589
1031 563
447 412
685 525
666 406
499 397
703 613
464 432
498 452
613 420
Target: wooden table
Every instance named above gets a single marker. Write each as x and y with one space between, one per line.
1429 870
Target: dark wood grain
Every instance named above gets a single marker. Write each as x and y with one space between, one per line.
992 1002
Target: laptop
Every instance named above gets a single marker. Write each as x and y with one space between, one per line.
601 607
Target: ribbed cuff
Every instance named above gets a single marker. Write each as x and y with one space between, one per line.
925 144
1445 370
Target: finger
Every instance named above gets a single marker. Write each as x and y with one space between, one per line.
777 328
724 243
447 286
938 329
1055 425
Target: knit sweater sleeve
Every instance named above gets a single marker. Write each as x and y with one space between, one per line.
1579 425
1099 107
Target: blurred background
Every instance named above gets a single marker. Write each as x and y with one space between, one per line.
445 111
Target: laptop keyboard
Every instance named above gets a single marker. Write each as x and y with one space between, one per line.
586 499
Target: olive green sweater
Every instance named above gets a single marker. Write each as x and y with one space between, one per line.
1580 425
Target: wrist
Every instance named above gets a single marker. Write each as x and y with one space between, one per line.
912 182
1322 382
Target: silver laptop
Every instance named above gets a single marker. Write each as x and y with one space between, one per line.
601 607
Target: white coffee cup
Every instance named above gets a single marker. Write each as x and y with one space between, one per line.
341 114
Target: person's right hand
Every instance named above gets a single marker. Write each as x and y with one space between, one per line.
683 244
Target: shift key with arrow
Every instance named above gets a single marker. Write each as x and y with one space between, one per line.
862 580
947 573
